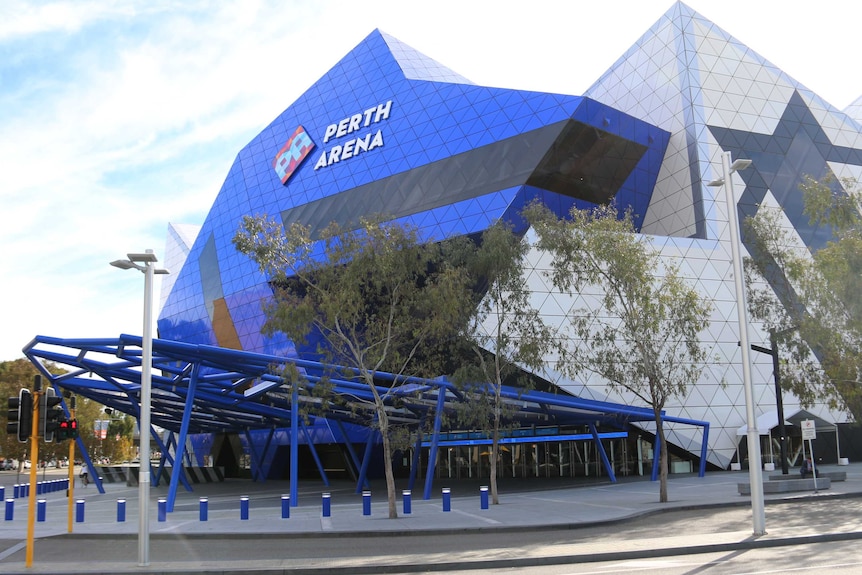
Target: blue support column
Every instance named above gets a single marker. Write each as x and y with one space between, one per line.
366 459
314 454
414 465
180 447
601 449
166 456
257 458
701 470
266 447
294 446
656 450
352 452
435 440
88 463
166 452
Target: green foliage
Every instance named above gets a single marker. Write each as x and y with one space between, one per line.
377 297
815 310
14 375
644 337
503 322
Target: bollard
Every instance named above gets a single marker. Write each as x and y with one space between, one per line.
121 510
405 495
204 509
327 510
16 490
41 506
10 509
483 497
79 511
366 503
243 508
285 506
163 509
2 493
447 499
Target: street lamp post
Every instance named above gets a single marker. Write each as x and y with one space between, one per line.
145 263
755 473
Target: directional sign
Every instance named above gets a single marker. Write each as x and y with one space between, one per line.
808 430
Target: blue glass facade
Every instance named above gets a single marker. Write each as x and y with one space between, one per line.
389 131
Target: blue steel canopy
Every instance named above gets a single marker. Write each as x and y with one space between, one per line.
237 391
206 389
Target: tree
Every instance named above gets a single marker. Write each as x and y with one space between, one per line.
376 298
13 376
506 334
809 299
642 335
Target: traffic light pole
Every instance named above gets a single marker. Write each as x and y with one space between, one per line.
71 498
34 463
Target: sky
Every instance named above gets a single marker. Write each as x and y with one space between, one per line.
120 117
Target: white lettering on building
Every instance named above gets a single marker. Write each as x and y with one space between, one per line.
356 145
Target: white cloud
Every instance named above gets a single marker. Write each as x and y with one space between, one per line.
120 116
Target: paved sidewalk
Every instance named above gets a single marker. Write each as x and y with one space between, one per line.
601 508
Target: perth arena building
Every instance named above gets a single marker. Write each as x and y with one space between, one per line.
389 130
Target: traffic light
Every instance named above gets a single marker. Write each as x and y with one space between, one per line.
50 414
63 430
68 429
20 415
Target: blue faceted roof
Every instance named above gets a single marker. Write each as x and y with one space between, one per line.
390 131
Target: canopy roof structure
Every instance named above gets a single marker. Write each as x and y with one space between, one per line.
209 389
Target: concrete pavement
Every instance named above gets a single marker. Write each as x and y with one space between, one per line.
606 521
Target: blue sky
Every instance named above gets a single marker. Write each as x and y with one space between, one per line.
117 117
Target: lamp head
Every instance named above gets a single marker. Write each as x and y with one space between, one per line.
739 165
124 265
145 258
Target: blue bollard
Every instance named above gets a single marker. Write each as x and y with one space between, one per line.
204 509
447 499
327 509
163 509
10 509
79 511
243 508
121 510
17 491
405 495
285 506
41 506
366 503
2 493
483 497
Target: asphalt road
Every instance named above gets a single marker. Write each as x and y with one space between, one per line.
416 552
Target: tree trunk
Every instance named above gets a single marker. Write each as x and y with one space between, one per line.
383 422
662 461
495 499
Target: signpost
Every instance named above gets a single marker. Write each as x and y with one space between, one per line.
809 432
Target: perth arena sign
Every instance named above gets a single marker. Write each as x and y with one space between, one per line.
358 144
365 136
